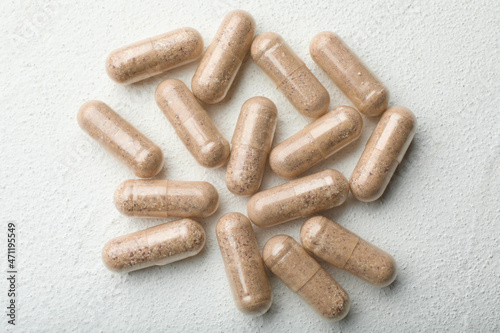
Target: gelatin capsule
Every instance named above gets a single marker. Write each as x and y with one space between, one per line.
243 263
166 198
383 153
156 246
120 139
192 124
298 198
251 144
304 276
290 74
348 72
223 58
345 250
316 142
154 56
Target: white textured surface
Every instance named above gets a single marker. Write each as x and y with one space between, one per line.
439 216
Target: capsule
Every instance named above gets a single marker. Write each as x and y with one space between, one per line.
348 72
290 74
244 266
155 55
156 246
304 276
383 153
120 139
166 198
192 124
298 198
345 250
316 142
223 58
251 144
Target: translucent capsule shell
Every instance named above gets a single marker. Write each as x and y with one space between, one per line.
166 198
192 124
304 276
121 139
251 143
156 246
222 59
244 266
298 198
290 74
383 153
153 56
316 142
345 250
347 71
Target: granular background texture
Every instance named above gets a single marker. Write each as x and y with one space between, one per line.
439 217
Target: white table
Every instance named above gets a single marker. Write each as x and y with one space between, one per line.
439 216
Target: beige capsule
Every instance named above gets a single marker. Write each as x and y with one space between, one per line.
156 246
155 55
345 250
316 142
251 144
192 124
223 58
298 198
166 198
290 74
120 139
304 276
357 82
383 153
243 263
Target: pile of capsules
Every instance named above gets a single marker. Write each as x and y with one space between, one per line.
246 162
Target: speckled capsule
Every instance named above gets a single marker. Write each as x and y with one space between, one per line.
244 266
251 144
290 74
304 276
298 198
223 58
316 142
192 124
345 250
166 198
383 153
156 246
152 56
120 139
354 79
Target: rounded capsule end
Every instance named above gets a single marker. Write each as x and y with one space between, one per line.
122 198
263 42
310 232
376 103
113 65
279 164
256 211
150 164
211 199
85 112
214 154
110 260
272 247
195 42
320 42
195 241
390 272
255 305
165 87
362 192
204 90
